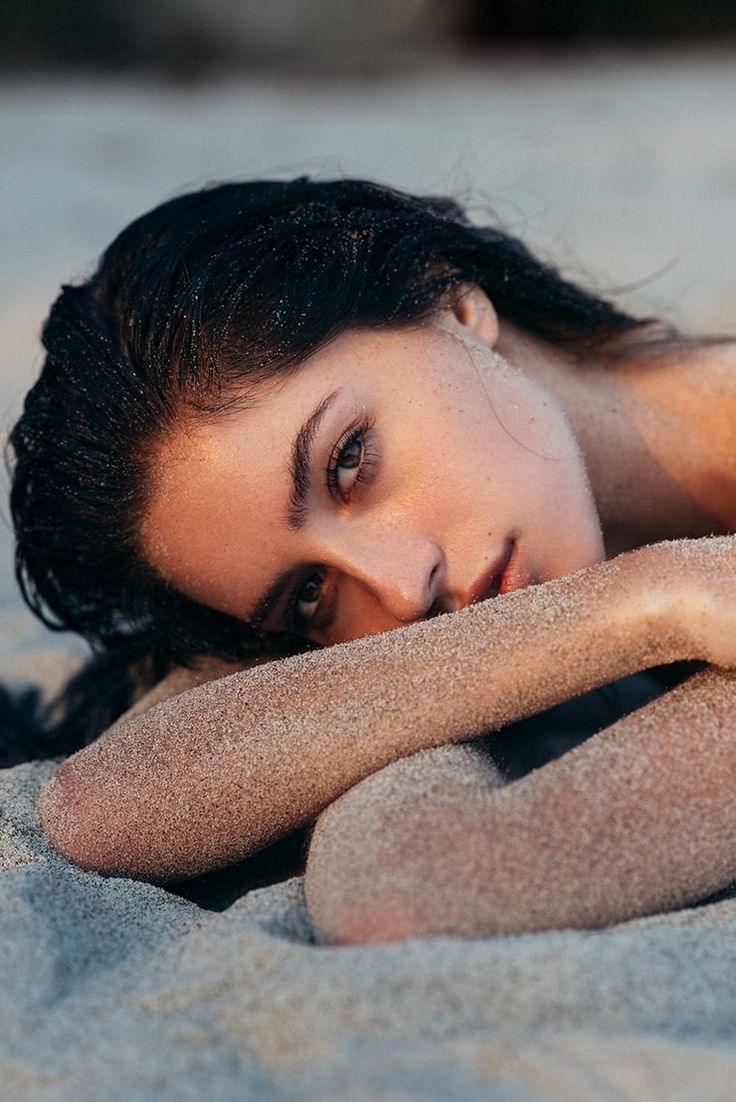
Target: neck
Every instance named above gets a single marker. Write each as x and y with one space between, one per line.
643 431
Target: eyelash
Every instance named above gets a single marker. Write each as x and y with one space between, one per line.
361 430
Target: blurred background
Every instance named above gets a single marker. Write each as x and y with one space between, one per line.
601 131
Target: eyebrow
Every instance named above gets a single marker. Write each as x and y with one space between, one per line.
300 466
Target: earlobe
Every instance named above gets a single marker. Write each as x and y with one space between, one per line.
474 311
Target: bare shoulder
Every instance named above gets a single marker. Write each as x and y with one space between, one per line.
708 391
704 378
694 386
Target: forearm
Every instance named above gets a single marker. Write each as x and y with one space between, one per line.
640 818
217 773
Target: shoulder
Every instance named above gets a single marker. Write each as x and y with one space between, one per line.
695 382
707 388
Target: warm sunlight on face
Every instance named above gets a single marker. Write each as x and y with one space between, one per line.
399 473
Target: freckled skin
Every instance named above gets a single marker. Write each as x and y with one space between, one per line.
466 452
413 840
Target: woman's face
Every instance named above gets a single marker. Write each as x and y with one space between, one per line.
389 479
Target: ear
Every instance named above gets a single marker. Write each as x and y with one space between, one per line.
474 312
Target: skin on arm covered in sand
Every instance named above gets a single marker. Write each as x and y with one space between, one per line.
638 819
217 773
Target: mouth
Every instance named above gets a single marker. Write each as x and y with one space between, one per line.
496 579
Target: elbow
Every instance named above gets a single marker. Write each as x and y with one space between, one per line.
353 902
73 825
359 917
92 826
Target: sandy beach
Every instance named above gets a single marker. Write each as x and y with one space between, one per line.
622 169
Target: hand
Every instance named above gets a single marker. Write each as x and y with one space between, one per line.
691 584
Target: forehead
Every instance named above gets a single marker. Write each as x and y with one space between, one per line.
217 498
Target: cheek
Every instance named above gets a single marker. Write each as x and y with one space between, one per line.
538 456
528 472
504 455
528 419
358 614
510 410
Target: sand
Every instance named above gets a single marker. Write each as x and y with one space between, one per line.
113 988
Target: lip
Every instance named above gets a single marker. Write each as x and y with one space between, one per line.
492 581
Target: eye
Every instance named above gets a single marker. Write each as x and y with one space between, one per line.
304 602
350 461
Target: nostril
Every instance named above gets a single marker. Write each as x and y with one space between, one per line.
435 609
431 597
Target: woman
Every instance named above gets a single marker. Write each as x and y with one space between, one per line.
288 415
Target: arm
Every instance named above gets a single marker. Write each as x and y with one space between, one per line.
638 819
180 680
219 772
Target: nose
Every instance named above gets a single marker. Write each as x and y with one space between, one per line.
405 571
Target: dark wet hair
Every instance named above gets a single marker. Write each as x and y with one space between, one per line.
191 307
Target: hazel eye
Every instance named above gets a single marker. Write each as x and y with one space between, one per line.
307 598
352 460
349 460
350 455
